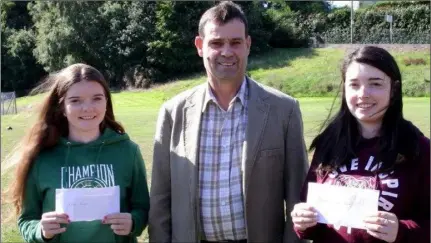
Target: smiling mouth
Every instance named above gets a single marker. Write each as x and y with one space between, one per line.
364 106
87 117
227 64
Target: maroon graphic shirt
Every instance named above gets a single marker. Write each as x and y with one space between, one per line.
404 191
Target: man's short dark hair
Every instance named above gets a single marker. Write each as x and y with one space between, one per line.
222 13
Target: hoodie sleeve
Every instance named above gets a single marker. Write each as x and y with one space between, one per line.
140 200
313 232
417 229
29 219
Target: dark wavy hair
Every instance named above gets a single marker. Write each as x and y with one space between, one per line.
398 138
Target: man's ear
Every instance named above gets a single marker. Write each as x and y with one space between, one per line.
199 44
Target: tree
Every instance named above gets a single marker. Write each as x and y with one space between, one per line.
259 25
20 71
290 29
172 53
309 7
111 36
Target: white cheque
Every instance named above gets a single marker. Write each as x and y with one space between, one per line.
342 206
87 204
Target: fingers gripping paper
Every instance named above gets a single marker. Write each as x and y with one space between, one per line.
342 206
86 204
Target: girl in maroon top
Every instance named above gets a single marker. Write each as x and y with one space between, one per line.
368 144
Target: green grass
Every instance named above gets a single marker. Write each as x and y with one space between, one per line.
284 69
140 122
316 72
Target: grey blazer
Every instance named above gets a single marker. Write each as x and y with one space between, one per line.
275 163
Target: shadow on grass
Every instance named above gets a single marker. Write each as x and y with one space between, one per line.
279 57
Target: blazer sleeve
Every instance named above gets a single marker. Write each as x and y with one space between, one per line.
160 222
295 168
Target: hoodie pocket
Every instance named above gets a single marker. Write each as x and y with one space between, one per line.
93 231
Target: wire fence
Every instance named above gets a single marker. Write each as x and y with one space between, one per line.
376 36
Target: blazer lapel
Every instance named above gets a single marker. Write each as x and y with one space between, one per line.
192 113
258 112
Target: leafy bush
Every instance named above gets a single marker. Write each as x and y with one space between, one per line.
410 24
291 29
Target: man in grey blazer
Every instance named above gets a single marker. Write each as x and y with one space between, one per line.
229 155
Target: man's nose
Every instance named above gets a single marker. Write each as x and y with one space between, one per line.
226 50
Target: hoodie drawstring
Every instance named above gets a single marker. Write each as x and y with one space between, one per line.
66 161
100 150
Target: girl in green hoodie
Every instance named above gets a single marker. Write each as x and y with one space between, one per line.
76 143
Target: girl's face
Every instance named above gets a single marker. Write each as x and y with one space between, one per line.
367 92
85 107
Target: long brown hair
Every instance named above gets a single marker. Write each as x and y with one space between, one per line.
51 124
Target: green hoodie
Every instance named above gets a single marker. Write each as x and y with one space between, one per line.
111 160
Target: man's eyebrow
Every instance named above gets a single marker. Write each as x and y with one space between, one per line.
230 39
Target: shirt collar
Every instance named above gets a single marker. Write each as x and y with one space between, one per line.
241 95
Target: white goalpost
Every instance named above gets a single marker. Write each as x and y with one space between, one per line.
8 103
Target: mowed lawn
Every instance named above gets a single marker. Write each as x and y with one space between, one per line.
137 110
140 121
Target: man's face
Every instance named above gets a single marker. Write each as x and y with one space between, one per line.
225 49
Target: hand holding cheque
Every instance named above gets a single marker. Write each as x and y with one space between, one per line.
87 204
344 206
382 225
50 224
